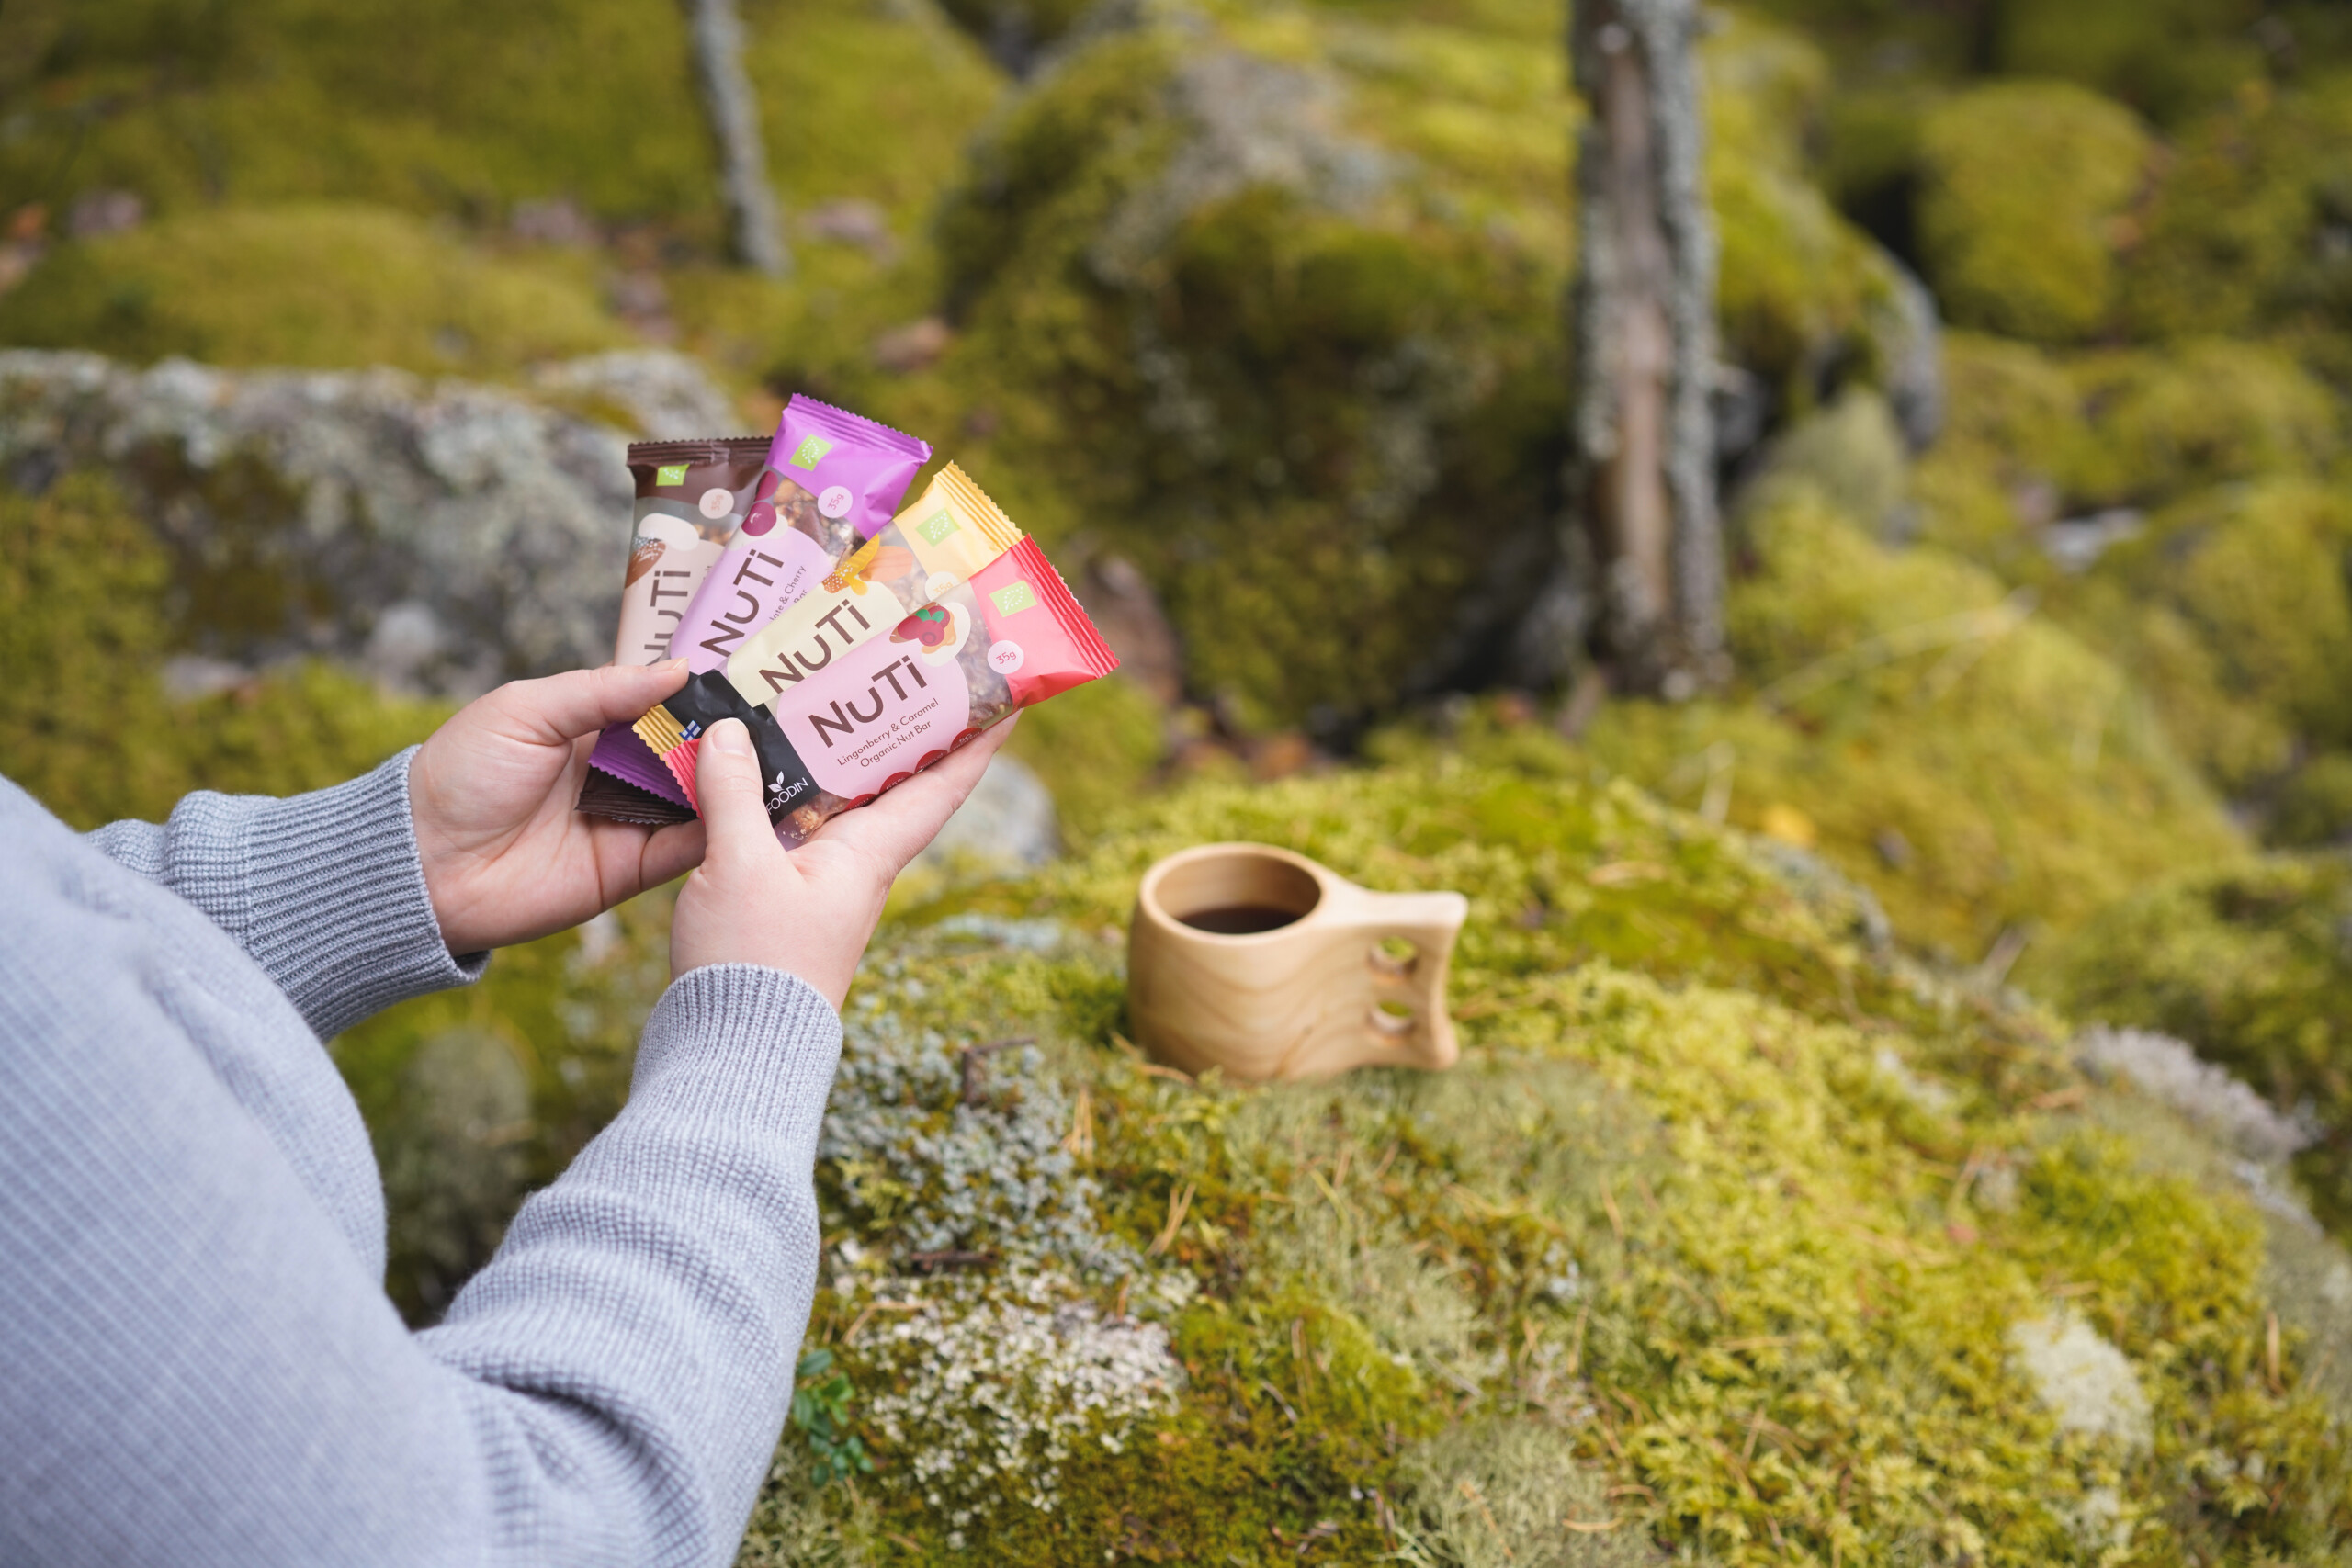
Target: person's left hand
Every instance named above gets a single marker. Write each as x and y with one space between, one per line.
506 857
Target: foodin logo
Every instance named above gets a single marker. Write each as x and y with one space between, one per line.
811 452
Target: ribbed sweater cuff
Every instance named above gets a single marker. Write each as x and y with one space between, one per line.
336 907
737 1041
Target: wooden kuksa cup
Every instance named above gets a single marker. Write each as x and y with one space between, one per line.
1347 978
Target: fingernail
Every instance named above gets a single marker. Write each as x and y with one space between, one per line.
671 666
728 735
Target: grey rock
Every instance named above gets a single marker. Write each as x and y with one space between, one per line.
1007 824
1851 454
1252 122
668 395
2169 1072
446 535
1908 336
97 213
2075 543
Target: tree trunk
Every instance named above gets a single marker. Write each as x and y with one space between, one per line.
735 122
1643 468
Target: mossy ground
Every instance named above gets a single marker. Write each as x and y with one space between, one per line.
1685 1225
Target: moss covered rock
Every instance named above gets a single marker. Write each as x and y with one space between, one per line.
86 724
2205 445
1270 299
2258 575
323 286
2235 239
441 536
2021 183
1981 770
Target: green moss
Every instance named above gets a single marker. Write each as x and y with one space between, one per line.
2231 604
83 722
1978 768
2170 421
2233 238
2253 966
2315 806
1096 749
2020 185
438 106
307 286
2166 58
2259 573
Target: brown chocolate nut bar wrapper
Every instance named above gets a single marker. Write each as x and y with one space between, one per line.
691 498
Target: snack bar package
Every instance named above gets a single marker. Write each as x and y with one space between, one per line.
1010 636
830 481
691 497
950 531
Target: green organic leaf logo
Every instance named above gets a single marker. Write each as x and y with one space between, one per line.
811 452
935 529
670 474
1013 598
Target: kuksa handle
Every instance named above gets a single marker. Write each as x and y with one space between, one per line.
1408 1020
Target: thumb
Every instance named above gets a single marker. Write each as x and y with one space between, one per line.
727 786
582 701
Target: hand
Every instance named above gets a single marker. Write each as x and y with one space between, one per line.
808 911
506 857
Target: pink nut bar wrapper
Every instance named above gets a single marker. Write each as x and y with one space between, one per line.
833 480
1012 636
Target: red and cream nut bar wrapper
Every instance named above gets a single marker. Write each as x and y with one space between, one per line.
830 481
872 719
950 531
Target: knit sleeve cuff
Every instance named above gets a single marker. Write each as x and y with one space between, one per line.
736 1038
334 904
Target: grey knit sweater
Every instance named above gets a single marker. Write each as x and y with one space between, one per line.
197 1362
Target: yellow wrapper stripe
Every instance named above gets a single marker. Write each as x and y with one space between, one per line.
660 730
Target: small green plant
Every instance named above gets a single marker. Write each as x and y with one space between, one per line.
820 1409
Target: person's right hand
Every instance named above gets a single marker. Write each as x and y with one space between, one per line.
808 911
